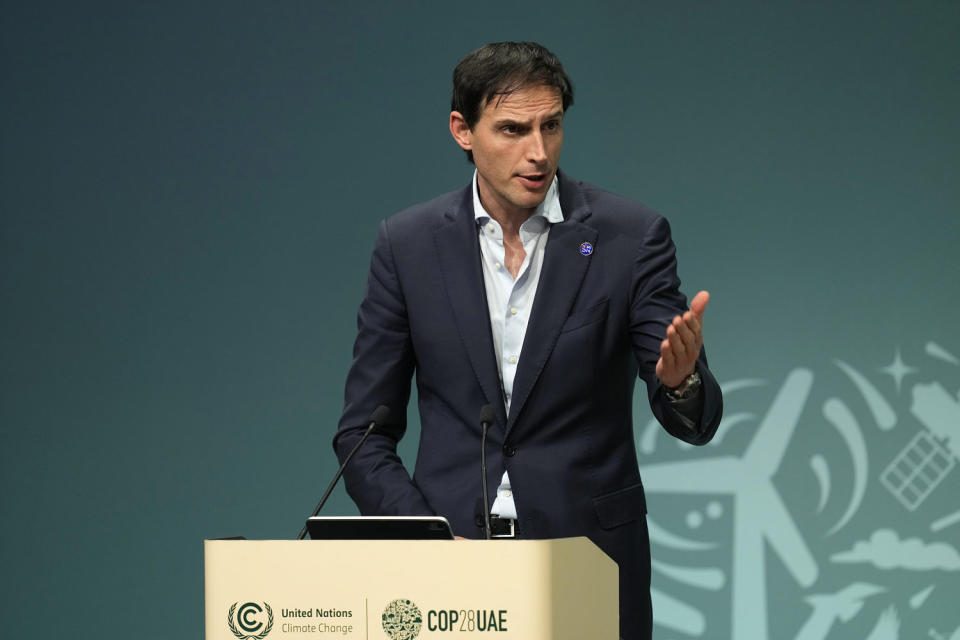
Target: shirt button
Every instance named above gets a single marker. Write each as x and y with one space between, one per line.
490 227
513 359
513 311
509 451
506 493
499 266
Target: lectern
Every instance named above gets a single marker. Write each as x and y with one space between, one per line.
410 589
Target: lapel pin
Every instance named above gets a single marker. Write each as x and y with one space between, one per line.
586 249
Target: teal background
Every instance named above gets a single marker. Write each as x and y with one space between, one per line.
189 194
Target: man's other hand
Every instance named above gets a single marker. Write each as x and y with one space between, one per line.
679 351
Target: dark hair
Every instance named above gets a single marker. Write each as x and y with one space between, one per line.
500 69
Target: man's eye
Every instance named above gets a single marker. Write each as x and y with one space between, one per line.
510 128
553 125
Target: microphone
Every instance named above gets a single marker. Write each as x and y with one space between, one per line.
486 419
379 416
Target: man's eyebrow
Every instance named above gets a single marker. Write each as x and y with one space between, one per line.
510 121
556 115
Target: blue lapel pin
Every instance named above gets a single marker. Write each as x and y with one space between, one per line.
586 249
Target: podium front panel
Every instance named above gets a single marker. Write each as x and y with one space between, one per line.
409 590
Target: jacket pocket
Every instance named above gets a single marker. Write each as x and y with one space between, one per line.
593 314
620 507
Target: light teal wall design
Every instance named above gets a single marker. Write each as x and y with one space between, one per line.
189 193
831 505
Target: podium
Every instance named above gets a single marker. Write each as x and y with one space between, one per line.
562 589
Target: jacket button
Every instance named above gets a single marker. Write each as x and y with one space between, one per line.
509 451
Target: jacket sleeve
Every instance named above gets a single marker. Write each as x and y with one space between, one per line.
383 364
655 300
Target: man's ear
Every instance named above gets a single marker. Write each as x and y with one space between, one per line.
461 131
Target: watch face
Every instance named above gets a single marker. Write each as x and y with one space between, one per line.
687 388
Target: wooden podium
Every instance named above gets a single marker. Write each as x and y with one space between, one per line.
408 590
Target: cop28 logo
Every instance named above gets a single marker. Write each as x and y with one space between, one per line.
402 620
249 618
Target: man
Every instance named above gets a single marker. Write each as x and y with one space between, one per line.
543 297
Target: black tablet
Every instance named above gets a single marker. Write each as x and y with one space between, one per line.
379 528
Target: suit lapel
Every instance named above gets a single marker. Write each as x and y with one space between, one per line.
459 256
564 268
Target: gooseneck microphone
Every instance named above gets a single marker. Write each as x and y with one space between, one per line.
486 419
379 416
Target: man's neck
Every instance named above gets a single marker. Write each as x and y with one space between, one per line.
510 221
509 218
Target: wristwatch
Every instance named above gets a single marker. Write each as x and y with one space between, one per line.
686 389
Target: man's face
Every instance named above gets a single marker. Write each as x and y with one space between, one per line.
516 147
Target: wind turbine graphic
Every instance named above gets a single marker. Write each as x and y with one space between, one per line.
759 513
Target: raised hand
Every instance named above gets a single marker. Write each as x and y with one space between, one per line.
679 351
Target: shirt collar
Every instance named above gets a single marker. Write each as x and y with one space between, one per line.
549 208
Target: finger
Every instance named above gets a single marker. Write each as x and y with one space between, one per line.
677 347
685 346
689 339
669 369
693 322
667 358
699 303
687 333
695 344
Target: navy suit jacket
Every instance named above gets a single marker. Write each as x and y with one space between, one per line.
568 443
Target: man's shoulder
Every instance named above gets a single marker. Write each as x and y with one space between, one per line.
606 207
431 212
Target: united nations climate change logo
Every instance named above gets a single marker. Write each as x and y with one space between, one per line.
402 620
249 617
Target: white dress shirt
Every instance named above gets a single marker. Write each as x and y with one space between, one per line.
511 300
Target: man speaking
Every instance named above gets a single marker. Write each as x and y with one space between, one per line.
543 297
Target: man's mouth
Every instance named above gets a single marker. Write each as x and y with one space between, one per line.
533 180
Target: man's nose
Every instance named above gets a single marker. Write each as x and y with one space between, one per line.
536 151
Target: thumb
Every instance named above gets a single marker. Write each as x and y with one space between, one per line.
699 303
